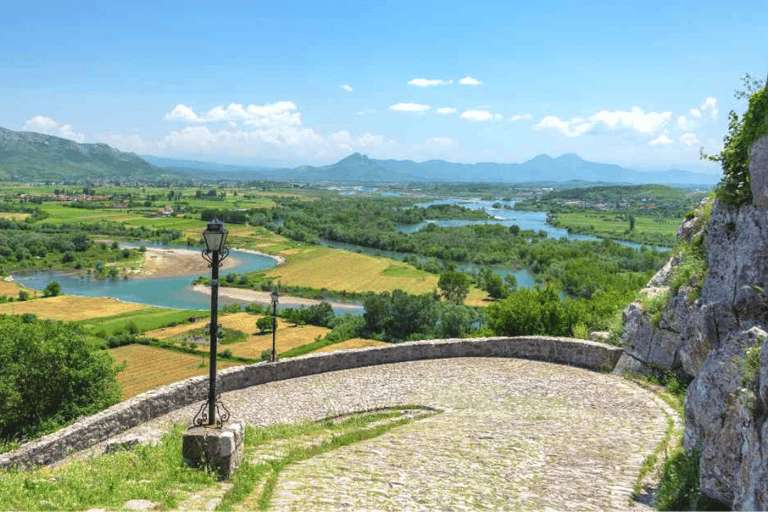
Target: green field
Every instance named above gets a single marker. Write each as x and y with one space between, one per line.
651 230
144 320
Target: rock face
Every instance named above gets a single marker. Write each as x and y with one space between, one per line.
715 331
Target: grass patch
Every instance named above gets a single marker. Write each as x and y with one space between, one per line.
152 473
654 305
142 320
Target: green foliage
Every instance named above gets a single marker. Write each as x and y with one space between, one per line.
155 473
679 485
691 269
734 189
654 305
750 364
538 311
264 324
317 314
454 286
49 377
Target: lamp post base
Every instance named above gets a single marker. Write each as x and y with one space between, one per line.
219 450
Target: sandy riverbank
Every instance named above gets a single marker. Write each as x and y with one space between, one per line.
264 298
160 262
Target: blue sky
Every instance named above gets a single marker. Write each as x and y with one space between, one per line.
643 84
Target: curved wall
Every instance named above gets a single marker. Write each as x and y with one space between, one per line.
151 404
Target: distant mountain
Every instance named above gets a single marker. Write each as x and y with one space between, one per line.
358 168
29 156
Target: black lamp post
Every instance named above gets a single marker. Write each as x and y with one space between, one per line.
215 252
275 297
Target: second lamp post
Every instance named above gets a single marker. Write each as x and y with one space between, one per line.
275 297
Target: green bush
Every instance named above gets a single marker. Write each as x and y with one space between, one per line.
734 189
679 486
50 377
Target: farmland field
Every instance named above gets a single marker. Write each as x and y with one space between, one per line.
12 289
288 335
353 343
148 367
70 307
144 319
321 267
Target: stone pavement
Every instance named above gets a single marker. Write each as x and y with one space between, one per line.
513 434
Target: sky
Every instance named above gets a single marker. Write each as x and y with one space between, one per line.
643 84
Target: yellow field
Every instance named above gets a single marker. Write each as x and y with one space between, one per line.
321 267
149 368
13 216
353 343
70 308
12 289
288 336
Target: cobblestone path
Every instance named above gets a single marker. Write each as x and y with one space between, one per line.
513 434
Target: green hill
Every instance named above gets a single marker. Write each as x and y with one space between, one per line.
34 157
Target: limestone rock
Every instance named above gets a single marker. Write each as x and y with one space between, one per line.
758 173
706 334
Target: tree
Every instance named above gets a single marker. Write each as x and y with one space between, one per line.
50 377
264 324
454 286
52 290
494 285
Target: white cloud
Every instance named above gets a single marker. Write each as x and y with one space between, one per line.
634 120
439 141
347 87
282 113
468 80
409 107
479 115
685 124
182 112
367 111
694 112
446 110
689 139
661 140
709 106
368 139
49 126
425 82
518 117
573 128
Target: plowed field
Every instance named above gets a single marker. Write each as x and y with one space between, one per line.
149 367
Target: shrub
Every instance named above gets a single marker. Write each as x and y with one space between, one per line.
49 377
52 289
23 295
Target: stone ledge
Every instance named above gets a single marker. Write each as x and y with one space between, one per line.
152 404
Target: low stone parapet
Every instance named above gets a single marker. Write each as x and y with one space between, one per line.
152 404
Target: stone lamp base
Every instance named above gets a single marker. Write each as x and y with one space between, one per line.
216 450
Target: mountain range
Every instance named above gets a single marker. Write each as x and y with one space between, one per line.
29 156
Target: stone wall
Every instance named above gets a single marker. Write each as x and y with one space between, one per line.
118 418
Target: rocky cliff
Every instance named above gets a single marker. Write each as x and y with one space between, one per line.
706 314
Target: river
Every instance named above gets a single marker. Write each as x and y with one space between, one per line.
176 292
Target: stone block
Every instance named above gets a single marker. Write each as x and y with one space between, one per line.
213 449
